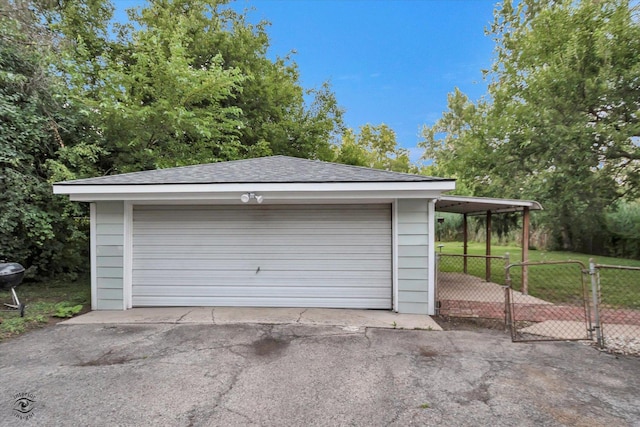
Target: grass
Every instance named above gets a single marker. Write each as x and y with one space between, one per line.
559 283
515 254
43 300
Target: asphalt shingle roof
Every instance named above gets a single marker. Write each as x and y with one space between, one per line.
274 169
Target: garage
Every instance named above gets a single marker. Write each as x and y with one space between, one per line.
263 256
272 231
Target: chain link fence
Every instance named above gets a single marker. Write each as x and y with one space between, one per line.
543 301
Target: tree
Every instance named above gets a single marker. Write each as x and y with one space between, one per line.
38 229
562 122
460 148
189 82
374 147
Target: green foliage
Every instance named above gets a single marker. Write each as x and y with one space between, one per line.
561 125
623 222
64 309
39 229
160 108
374 147
458 145
42 299
189 82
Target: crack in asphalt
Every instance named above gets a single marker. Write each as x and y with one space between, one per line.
213 315
480 388
246 417
366 336
232 383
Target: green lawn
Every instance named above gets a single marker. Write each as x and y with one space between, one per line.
515 254
558 283
46 302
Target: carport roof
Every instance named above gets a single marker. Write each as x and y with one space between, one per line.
482 205
274 169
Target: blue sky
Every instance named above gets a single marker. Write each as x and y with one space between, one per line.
390 62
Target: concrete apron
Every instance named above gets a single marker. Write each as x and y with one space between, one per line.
349 319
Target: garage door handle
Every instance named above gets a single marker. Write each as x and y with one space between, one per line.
258 270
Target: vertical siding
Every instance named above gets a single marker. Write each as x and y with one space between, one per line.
413 256
109 255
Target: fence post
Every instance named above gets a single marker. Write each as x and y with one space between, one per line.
487 270
595 294
525 250
465 244
436 299
506 262
508 315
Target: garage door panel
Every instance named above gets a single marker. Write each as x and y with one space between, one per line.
280 256
274 225
257 266
256 258
326 239
377 282
361 302
247 290
312 230
178 275
142 250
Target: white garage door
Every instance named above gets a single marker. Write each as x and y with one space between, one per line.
255 255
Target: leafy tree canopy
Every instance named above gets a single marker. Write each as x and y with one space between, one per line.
37 120
374 147
561 120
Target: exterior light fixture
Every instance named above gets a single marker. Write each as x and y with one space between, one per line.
246 197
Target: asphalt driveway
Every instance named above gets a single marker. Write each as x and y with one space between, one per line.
298 375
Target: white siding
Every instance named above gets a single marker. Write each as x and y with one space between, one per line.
109 255
413 256
263 255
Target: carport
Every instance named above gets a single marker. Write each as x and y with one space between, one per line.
478 206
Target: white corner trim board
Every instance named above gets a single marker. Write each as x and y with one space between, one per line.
93 255
431 220
128 256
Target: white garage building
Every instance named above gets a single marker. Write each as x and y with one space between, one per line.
267 232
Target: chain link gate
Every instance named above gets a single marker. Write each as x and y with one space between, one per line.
551 304
616 302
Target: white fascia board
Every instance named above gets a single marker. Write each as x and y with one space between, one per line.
269 196
260 187
492 201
